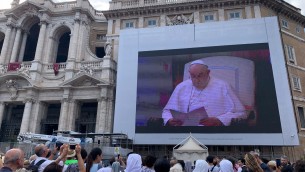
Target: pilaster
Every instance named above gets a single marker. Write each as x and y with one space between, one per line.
257 11
248 12
110 27
221 14
196 17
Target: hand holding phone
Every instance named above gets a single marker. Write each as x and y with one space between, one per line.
72 146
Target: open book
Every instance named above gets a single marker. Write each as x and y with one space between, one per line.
191 118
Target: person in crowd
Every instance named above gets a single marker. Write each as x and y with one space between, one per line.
53 167
109 167
83 154
176 168
42 152
93 160
173 161
201 166
226 166
219 101
263 165
212 161
188 166
149 162
181 162
272 166
242 165
299 166
77 163
162 165
116 167
134 163
252 164
285 165
14 159
234 163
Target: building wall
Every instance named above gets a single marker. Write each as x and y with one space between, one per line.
83 78
290 37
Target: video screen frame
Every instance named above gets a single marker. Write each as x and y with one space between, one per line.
202 35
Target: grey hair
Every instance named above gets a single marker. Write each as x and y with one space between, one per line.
14 158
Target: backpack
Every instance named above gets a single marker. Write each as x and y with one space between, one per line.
34 167
72 168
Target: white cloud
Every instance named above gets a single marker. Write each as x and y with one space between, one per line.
104 4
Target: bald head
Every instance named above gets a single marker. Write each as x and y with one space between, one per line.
41 150
14 158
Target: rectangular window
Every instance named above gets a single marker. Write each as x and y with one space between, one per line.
234 15
298 29
209 17
129 25
290 53
301 116
152 23
285 24
296 83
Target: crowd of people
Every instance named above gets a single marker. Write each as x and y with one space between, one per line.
74 159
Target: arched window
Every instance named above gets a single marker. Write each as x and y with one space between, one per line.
31 43
63 48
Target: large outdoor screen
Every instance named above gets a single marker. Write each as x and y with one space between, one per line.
224 82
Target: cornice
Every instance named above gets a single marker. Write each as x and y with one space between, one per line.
202 5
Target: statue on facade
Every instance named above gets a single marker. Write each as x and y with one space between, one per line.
24 71
179 20
12 87
85 69
108 48
2 70
14 3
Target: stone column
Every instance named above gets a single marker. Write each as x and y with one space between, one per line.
100 126
2 108
38 111
26 115
71 115
74 41
40 42
110 27
16 46
63 114
141 22
10 46
22 48
6 43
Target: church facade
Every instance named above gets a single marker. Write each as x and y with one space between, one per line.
58 61
55 73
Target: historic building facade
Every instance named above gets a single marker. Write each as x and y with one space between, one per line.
58 61
54 71
126 14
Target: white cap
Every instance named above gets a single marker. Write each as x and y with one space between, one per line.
199 62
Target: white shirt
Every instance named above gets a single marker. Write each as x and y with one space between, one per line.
105 169
218 99
44 164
